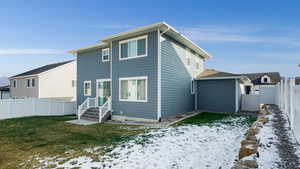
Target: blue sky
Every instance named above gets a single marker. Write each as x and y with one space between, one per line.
243 36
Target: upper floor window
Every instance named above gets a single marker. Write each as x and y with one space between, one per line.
87 88
28 82
15 84
105 55
32 82
133 48
265 79
188 56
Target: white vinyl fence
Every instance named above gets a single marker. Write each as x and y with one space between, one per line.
13 108
289 103
268 94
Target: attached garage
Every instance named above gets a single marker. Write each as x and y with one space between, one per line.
218 91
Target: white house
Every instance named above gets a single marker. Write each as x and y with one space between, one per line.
50 81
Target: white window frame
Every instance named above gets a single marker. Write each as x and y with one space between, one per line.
192 86
105 60
134 78
188 54
132 39
90 91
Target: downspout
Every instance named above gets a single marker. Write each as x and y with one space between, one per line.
159 72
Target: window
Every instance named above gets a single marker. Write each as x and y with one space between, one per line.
73 83
105 55
28 82
248 89
192 86
133 89
265 80
197 65
133 48
87 88
15 84
32 82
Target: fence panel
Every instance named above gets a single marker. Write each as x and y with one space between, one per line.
250 102
14 108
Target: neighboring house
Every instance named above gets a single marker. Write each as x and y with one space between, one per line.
50 81
146 74
219 91
4 92
297 80
260 79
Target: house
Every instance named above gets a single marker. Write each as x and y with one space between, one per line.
145 74
297 80
260 79
219 91
5 92
50 81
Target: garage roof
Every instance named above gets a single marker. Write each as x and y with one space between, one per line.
209 74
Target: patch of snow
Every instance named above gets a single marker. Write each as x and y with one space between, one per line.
191 146
267 150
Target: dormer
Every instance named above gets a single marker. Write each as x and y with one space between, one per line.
265 79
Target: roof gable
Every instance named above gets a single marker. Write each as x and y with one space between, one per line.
42 69
256 77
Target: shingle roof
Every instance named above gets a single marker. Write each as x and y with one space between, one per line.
4 88
42 69
255 77
211 73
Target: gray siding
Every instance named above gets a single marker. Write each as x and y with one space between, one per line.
145 66
175 80
90 67
216 95
22 91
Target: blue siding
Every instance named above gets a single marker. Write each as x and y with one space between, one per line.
90 67
145 66
216 95
175 80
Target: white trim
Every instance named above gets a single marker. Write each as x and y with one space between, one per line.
212 78
196 95
111 60
105 60
132 39
75 51
159 75
236 96
192 86
134 78
90 91
101 80
160 25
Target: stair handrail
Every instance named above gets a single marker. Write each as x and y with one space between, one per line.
106 107
85 105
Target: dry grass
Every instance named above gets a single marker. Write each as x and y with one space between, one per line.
24 139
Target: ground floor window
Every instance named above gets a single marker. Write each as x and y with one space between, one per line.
133 89
87 88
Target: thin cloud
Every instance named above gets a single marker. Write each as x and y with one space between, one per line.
111 26
248 34
30 51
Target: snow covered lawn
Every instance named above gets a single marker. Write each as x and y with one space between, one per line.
205 145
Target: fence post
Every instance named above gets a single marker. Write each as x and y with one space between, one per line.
292 102
63 104
50 104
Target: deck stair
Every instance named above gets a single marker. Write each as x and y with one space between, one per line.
89 110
